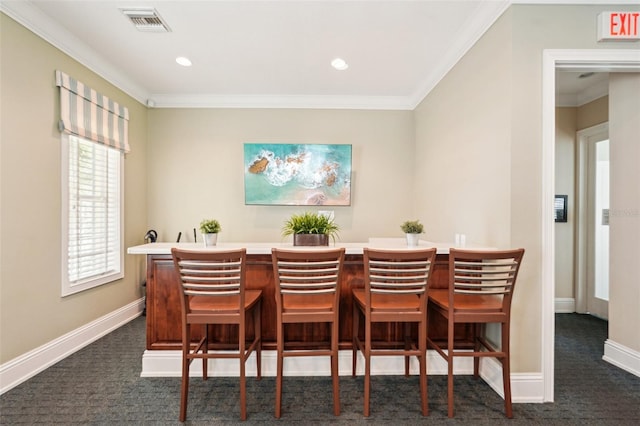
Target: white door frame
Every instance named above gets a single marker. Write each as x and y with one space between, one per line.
609 60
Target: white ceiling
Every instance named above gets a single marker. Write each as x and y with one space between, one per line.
267 53
579 88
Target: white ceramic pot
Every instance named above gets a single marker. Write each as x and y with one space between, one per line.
210 240
413 240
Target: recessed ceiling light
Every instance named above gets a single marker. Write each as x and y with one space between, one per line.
185 62
339 64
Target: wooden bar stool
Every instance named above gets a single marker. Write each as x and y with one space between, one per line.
481 284
307 291
213 291
396 284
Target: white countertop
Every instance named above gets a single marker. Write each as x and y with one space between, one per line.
265 248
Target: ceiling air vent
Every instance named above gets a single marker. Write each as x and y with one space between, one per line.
147 20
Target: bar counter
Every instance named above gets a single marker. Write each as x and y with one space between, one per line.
163 303
265 248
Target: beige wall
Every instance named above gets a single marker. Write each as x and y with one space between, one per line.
624 149
537 28
565 184
32 312
196 169
593 113
463 148
480 186
502 128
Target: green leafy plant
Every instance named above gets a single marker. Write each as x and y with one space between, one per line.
210 226
310 223
412 227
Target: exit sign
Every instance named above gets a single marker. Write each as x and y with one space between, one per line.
614 26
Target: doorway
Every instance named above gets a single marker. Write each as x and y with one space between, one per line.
592 60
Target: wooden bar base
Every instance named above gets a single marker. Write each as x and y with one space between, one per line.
163 306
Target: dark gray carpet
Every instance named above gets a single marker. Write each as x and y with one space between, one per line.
101 385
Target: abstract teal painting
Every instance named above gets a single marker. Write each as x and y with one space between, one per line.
297 174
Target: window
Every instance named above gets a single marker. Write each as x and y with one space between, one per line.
94 140
92 210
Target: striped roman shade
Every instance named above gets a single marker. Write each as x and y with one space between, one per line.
88 114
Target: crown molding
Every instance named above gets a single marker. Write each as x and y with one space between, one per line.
29 16
280 101
576 2
487 13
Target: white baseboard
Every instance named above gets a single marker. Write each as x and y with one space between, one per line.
158 363
565 305
525 387
20 369
622 357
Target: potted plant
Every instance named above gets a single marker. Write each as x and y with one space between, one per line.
412 229
310 229
210 229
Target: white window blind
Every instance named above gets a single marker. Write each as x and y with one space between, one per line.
93 214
